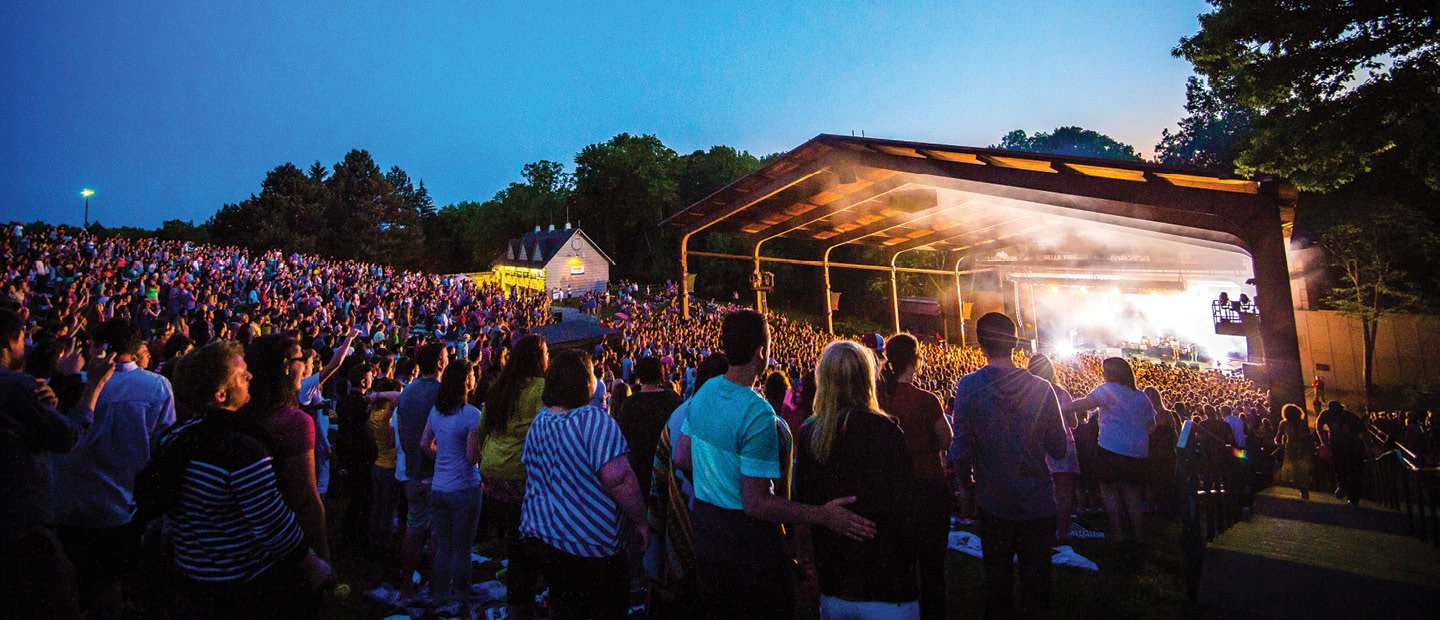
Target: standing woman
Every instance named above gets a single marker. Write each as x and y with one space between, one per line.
511 403
578 486
1063 471
1294 435
1126 418
274 415
850 449
449 437
927 437
1162 454
774 389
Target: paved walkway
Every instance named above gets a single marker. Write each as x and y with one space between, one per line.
1320 559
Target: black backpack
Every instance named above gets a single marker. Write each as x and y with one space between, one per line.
157 486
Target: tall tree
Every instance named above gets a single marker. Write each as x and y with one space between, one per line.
623 189
318 173
1212 134
703 172
1338 84
1076 141
1371 254
354 209
286 214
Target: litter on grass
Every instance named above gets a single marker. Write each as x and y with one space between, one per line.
1081 532
1064 555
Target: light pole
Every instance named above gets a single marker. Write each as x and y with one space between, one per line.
87 193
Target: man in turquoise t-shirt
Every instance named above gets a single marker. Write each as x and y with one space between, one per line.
732 439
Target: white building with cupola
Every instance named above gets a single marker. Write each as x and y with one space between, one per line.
563 262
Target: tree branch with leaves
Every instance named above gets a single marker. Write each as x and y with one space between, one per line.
1371 253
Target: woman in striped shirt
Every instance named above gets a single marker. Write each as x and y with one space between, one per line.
578 485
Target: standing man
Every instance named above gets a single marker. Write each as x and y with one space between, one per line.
1343 433
1237 426
643 415
731 442
411 413
1006 421
94 484
36 579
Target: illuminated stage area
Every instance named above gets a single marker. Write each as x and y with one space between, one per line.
1086 254
1168 326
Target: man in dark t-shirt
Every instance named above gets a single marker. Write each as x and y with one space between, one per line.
643 416
1343 432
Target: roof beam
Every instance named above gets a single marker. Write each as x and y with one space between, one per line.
775 186
846 203
889 223
954 233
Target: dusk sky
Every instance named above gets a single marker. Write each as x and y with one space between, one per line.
171 109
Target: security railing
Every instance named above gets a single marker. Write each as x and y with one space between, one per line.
1214 487
1405 481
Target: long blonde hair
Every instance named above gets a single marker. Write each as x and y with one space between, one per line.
845 380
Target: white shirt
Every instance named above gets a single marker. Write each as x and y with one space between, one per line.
310 390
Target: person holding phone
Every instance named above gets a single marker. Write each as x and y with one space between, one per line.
37 580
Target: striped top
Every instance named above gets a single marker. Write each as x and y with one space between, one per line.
566 504
231 524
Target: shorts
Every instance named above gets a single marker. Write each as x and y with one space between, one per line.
417 496
101 554
1120 469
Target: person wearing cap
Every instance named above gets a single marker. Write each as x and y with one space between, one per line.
1006 422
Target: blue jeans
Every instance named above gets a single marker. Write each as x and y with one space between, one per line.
454 518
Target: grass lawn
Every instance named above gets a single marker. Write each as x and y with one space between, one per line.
1156 590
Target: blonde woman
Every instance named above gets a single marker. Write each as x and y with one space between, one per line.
849 448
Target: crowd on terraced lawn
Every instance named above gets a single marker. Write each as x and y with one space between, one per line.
238 425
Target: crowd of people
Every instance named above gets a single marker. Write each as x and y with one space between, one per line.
193 415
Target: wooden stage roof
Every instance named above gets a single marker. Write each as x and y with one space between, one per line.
835 190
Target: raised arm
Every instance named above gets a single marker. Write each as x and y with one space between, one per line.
339 357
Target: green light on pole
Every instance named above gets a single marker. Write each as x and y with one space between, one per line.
87 193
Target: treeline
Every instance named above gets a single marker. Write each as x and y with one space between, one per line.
618 191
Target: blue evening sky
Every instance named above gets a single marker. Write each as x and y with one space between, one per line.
171 109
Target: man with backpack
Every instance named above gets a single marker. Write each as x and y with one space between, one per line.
237 545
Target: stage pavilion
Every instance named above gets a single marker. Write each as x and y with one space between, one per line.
1014 231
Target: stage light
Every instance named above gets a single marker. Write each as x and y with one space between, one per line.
1064 348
